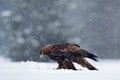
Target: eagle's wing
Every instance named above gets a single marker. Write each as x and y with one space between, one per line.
84 63
57 54
79 56
78 52
84 53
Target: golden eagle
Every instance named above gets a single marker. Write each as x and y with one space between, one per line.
65 54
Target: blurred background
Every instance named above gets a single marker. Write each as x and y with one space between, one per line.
28 25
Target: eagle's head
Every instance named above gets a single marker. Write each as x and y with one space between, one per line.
45 50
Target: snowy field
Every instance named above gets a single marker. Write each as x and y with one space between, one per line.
108 70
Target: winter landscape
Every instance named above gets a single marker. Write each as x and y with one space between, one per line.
28 25
108 70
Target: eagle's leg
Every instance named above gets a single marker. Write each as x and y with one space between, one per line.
60 65
65 63
68 64
60 61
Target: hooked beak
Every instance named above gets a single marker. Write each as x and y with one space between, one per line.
41 55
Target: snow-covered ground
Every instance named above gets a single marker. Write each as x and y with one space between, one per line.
108 70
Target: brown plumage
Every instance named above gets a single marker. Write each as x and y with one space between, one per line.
66 64
67 53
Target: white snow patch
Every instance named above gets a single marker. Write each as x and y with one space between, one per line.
108 70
